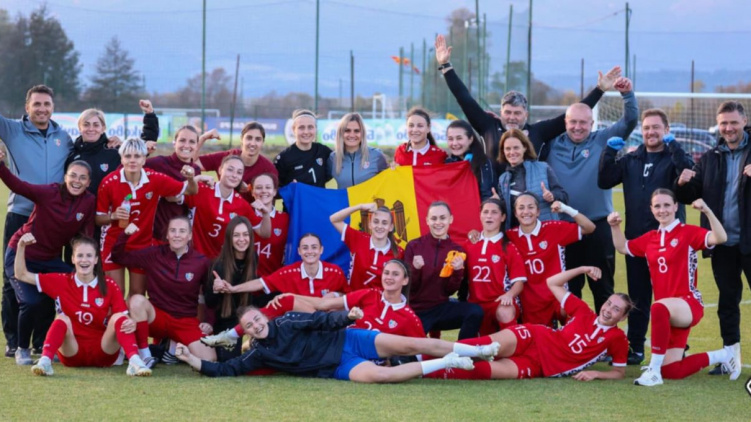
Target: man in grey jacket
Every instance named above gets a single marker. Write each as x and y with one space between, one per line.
37 148
574 156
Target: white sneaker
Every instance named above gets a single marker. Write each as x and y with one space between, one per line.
649 378
453 360
136 368
733 364
488 351
43 367
222 339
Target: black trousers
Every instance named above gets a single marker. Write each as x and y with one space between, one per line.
595 249
451 315
727 264
9 313
640 291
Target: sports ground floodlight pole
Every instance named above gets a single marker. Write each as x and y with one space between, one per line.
318 20
203 72
508 45
529 55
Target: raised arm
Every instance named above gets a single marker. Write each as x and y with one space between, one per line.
476 115
610 172
212 134
337 218
19 266
556 282
619 239
150 130
17 185
718 235
587 226
626 124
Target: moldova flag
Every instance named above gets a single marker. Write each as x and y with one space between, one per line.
408 191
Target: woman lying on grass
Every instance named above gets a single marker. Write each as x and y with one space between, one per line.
319 345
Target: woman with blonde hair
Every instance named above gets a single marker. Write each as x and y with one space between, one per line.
353 161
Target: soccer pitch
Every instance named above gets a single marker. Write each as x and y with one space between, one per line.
175 392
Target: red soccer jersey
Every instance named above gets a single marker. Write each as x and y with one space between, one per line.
270 250
672 258
144 199
380 315
367 262
294 279
83 303
429 155
544 255
492 271
211 162
211 214
578 344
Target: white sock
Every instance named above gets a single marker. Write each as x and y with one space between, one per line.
656 362
145 353
719 356
172 347
136 360
432 365
467 350
231 333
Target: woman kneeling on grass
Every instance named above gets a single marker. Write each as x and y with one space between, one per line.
92 324
319 345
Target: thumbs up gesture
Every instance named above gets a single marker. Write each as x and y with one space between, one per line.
546 194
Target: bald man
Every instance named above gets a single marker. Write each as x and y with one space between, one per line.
574 157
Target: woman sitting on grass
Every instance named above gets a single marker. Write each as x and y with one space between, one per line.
319 345
92 324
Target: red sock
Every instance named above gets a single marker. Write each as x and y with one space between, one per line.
477 341
660 328
239 330
481 372
686 367
127 340
142 334
55 338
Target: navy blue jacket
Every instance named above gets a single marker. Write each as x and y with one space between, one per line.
640 180
298 343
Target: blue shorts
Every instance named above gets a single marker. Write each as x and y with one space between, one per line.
359 347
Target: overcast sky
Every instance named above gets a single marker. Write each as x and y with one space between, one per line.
276 38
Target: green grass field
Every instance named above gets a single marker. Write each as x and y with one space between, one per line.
177 393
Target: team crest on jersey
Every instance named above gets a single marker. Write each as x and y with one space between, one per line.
57 141
366 165
495 259
232 215
104 166
79 216
544 244
600 340
319 161
189 276
585 153
392 324
99 301
149 195
324 292
674 242
277 232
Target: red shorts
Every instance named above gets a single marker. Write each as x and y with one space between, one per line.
679 336
90 353
544 314
183 330
526 356
108 264
489 321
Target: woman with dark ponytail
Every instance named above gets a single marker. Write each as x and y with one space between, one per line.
466 145
420 148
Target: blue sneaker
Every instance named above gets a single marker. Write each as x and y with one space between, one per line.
23 357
